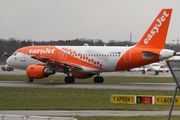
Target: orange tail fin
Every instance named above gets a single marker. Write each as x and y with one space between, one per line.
156 34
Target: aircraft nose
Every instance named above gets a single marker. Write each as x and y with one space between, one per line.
8 61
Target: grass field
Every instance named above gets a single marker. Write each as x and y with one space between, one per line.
2 63
127 118
72 99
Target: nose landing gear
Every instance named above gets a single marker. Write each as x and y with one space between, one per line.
30 80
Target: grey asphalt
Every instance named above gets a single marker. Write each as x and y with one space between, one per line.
121 86
88 112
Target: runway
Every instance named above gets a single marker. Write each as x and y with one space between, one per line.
88 113
121 86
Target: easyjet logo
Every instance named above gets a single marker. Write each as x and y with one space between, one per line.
155 29
44 51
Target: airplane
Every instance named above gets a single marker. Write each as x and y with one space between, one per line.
86 61
176 57
156 67
162 66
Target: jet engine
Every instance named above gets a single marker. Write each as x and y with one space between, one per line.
82 75
38 71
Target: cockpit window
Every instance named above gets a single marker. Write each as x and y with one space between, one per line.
14 54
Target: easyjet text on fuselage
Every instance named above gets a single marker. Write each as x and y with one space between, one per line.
42 51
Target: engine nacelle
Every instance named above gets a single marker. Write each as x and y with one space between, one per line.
38 71
82 75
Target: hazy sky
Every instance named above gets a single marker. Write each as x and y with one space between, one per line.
92 19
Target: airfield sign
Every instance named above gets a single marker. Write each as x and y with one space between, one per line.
166 100
127 99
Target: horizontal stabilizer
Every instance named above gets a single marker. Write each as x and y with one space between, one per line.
149 55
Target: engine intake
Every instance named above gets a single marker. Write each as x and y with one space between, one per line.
38 71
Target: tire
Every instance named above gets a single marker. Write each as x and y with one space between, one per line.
69 79
30 80
98 79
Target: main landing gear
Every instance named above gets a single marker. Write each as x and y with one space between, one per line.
98 79
69 79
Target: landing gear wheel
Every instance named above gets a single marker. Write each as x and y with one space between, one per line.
72 79
156 72
69 79
30 80
98 79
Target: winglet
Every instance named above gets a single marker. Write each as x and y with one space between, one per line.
156 34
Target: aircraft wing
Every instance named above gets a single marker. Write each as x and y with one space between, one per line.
149 54
55 62
138 69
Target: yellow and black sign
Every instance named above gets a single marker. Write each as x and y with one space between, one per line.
144 99
128 99
166 100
